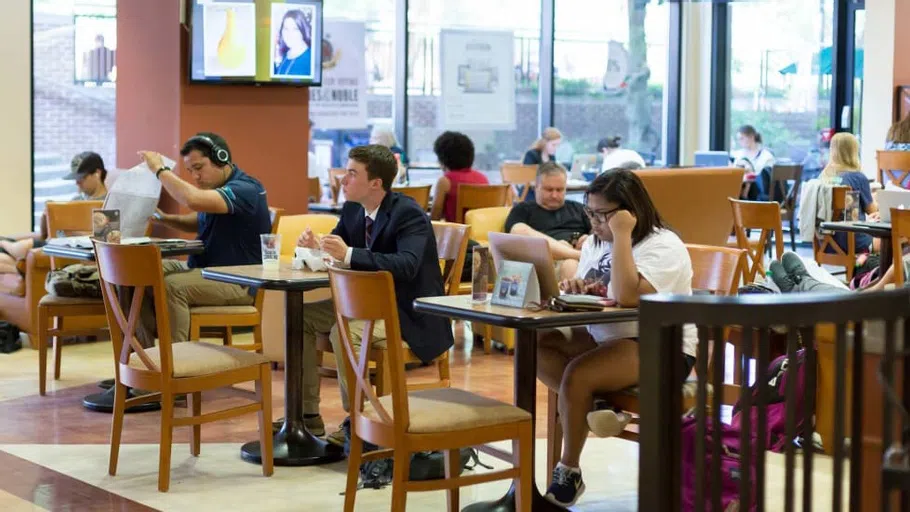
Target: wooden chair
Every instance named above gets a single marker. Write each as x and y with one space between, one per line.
65 219
419 194
825 241
171 368
314 190
761 215
479 196
716 270
895 165
520 177
335 176
451 244
786 194
407 421
225 318
900 232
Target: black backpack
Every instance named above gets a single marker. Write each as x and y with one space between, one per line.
377 474
9 338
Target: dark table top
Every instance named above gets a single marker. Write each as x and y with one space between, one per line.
283 278
461 307
878 231
325 208
168 250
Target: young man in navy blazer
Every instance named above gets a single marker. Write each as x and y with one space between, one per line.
378 230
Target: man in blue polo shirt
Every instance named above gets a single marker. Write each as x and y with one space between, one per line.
230 212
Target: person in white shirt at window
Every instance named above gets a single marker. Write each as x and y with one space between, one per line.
615 156
755 159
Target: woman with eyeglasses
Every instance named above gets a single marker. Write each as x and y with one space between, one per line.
632 252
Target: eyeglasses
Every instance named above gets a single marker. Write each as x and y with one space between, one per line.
600 216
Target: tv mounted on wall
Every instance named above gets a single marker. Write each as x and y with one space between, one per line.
256 42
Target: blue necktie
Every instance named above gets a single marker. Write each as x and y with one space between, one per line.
369 231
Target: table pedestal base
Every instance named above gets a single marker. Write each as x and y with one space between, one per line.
294 446
507 504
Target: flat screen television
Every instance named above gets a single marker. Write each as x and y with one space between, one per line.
256 41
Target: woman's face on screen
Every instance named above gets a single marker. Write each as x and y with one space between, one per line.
291 35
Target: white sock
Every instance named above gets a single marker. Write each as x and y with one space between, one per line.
561 465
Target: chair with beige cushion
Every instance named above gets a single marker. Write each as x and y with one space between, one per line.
65 219
225 318
170 368
407 421
470 197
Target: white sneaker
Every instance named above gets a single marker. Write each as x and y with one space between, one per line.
607 422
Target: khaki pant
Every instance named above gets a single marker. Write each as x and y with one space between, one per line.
319 317
185 288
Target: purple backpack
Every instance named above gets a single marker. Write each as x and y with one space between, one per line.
775 397
774 391
731 473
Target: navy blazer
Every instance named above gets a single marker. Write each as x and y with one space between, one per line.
404 245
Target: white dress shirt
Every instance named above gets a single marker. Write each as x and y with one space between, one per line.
372 215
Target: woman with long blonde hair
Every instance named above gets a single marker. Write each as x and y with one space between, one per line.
844 169
544 149
899 136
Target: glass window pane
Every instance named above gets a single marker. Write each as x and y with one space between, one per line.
426 18
74 92
780 80
610 60
379 17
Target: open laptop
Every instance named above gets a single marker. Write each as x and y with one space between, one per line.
583 163
712 159
527 249
888 199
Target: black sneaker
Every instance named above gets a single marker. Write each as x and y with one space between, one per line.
780 277
567 486
794 266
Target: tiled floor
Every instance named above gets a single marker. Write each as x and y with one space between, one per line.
53 452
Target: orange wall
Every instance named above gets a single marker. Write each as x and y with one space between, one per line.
266 128
901 43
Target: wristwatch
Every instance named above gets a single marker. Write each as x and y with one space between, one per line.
161 170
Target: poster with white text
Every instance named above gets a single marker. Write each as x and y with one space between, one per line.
341 102
478 80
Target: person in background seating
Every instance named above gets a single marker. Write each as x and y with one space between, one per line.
899 136
455 152
755 159
563 223
544 149
386 137
378 230
229 211
615 156
87 169
630 253
844 169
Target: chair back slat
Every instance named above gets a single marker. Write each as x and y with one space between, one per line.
821 244
314 190
72 218
521 177
471 197
893 166
369 297
848 321
136 269
761 215
782 191
716 269
419 194
900 232
451 245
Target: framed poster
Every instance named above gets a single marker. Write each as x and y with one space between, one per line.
478 80
341 102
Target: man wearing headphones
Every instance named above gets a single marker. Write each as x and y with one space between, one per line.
230 211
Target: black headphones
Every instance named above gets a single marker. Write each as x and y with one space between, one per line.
221 155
